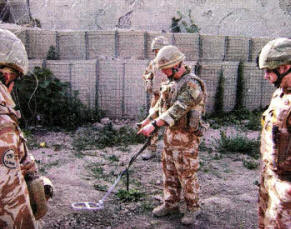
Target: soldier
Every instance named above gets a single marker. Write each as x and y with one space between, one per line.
275 186
153 78
16 164
179 108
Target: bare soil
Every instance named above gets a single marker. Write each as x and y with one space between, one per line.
228 190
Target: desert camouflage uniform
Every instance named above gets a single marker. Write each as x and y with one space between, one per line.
275 187
15 163
153 79
181 105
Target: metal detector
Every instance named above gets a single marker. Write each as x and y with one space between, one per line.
100 204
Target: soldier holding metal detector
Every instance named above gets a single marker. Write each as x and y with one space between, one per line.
275 186
153 78
179 108
23 195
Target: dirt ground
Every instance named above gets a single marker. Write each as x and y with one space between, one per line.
228 189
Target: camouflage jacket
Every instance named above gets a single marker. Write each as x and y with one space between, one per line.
15 164
181 103
153 79
276 133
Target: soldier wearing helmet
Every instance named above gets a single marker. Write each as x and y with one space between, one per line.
16 164
152 78
179 108
275 186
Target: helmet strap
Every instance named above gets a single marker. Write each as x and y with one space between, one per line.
280 77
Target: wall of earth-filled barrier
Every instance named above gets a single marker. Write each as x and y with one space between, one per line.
106 66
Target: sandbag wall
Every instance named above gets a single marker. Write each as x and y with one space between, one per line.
106 66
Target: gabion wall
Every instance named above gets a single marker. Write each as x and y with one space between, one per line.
106 66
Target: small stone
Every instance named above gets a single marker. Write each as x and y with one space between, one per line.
158 182
105 121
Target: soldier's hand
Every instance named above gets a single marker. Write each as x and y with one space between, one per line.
147 130
143 123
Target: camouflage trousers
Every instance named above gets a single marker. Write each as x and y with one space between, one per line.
274 201
153 144
15 210
180 165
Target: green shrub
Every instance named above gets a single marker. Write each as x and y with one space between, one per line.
113 158
241 117
254 122
45 100
52 54
107 137
129 196
238 144
240 88
184 24
219 96
250 164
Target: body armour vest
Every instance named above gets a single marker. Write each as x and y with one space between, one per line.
276 133
170 92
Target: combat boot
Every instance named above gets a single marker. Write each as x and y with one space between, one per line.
162 210
190 216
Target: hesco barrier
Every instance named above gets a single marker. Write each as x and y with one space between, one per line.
100 43
116 87
127 44
71 45
38 43
188 43
106 66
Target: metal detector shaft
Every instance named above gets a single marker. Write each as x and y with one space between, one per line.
99 205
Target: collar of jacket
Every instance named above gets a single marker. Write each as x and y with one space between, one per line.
188 70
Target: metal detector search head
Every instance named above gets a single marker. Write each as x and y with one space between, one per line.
88 205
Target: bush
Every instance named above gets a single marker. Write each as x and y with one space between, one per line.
107 137
250 164
45 100
254 121
129 196
184 24
238 144
219 95
52 54
238 118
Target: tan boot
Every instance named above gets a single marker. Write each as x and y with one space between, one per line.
190 217
148 155
162 210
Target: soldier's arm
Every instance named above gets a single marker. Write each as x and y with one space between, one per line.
154 111
148 73
189 96
148 76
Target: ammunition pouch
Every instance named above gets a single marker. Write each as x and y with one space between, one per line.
40 190
203 126
196 124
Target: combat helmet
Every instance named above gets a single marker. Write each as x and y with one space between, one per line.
168 57
12 52
159 42
275 53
